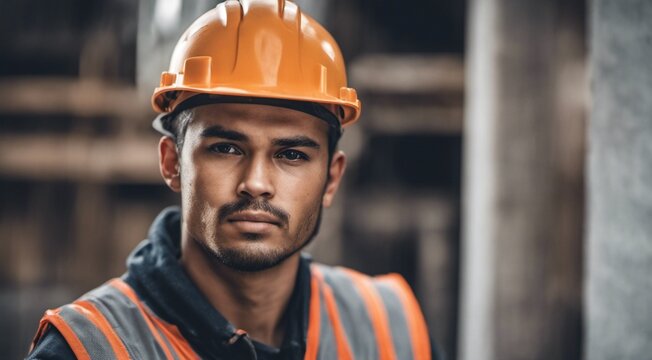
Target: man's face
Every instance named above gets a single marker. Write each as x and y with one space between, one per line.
253 179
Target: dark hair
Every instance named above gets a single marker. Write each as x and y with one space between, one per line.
179 126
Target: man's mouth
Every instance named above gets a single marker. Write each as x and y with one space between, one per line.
252 221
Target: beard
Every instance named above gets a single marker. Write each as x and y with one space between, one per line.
255 256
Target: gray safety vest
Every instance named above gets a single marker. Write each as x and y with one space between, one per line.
353 316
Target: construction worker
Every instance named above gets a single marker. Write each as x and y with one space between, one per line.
252 108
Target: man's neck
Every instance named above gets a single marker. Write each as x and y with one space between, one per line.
252 301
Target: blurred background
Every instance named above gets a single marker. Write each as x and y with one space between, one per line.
503 162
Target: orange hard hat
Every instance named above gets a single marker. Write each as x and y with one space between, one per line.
258 49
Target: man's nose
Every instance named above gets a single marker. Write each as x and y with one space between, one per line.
257 179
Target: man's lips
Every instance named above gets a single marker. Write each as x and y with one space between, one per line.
254 222
254 217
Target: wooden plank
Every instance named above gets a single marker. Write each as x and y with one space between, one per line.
128 159
70 96
417 119
384 73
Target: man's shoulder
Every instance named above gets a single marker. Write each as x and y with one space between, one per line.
49 342
353 290
382 305
340 277
88 320
51 345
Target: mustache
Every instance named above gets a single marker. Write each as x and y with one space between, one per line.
243 204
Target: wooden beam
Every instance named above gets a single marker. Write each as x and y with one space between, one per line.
417 119
408 74
69 96
524 153
129 159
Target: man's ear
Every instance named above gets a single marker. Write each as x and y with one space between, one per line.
335 172
168 162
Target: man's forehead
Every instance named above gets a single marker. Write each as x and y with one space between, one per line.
257 118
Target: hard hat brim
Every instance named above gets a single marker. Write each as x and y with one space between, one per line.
315 109
162 101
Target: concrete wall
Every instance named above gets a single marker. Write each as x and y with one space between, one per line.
619 277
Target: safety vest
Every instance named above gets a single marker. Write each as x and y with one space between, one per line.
350 316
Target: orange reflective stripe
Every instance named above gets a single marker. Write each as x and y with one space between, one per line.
95 316
312 346
377 314
343 349
416 321
52 316
129 292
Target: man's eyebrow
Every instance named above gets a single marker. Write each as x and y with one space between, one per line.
296 141
218 131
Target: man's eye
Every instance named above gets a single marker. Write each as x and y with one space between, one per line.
225 149
292 155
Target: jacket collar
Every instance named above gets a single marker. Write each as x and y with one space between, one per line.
155 273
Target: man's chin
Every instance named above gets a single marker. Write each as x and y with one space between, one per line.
248 260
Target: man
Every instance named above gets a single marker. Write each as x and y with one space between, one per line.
252 109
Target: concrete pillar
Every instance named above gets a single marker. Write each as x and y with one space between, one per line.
619 272
523 206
